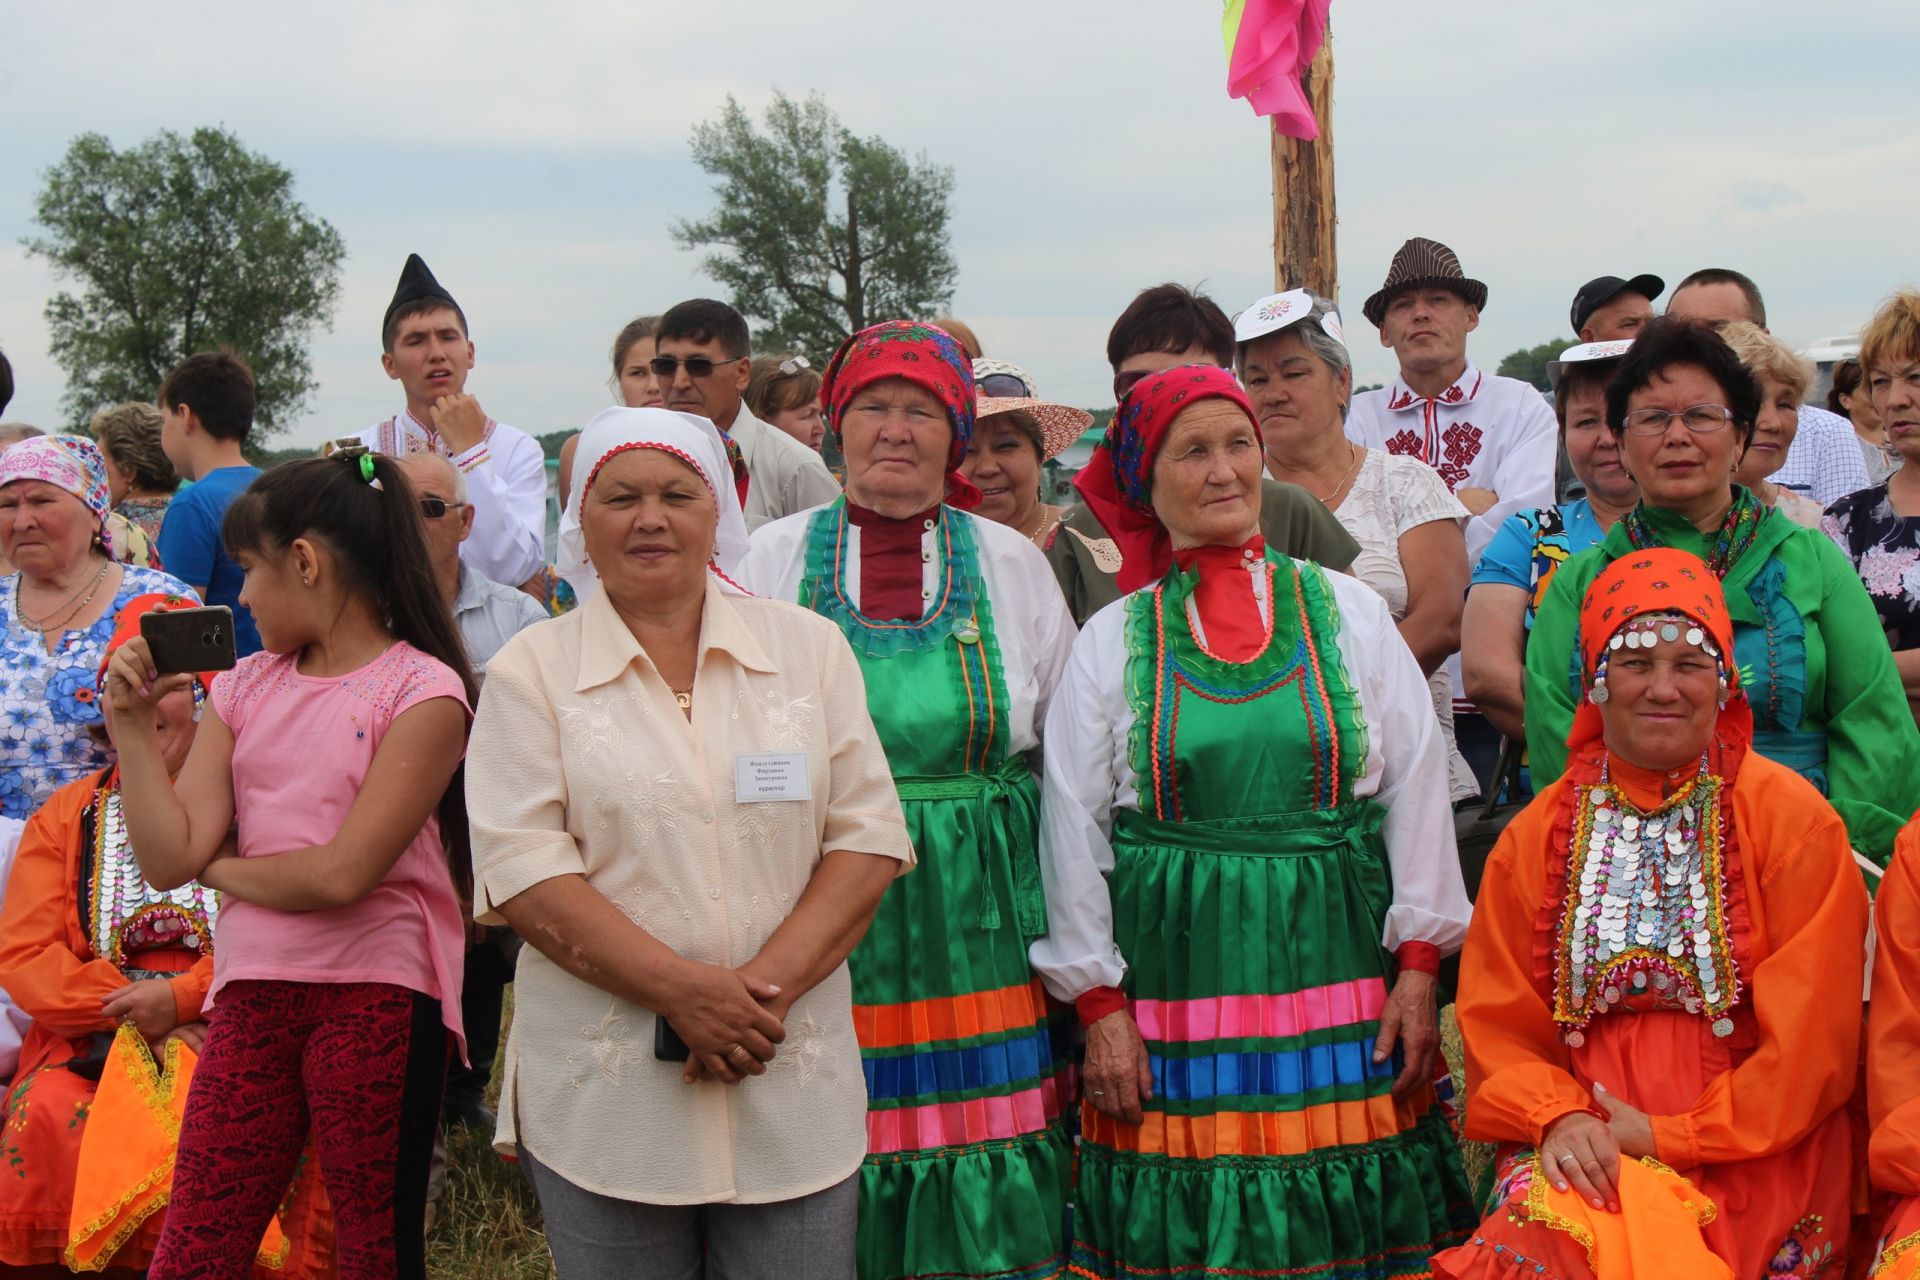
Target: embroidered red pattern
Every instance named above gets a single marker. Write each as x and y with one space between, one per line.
1460 445
1406 444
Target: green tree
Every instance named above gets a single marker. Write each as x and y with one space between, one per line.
819 233
1529 364
178 245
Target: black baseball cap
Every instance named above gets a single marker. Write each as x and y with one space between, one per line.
1595 294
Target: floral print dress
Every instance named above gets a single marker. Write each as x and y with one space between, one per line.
48 700
1885 548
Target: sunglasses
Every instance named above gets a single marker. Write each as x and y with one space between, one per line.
1125 382
787 367
697 366
1004 386
434 508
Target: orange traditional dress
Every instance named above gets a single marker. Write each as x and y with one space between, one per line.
1893 1059
78 924
1693 941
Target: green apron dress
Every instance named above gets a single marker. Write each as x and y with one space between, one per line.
1250 888
968 1070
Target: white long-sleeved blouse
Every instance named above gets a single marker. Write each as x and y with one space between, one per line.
1089 775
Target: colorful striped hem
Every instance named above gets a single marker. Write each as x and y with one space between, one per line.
960 1124
1022 1060
1278 1075
980 1013
1259 1133
1261 1017
1409 1262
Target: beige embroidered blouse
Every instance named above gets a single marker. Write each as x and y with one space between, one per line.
581 763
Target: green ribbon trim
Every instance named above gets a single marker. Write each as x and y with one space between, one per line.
1356 825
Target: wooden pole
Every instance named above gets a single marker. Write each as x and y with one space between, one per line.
1303 212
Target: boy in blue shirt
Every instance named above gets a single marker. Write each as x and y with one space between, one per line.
206 411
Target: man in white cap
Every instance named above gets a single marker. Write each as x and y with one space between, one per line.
1490 438
425 348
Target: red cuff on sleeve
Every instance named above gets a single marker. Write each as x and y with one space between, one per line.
1418 957
1098 1003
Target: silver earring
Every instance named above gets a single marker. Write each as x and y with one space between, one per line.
1598 695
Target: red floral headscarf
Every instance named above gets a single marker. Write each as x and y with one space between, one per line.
1117 482
924 355
1660 581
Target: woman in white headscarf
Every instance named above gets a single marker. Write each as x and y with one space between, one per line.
679 801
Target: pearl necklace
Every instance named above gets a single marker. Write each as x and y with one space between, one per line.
128 914
1645 910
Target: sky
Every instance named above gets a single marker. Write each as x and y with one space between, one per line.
536 156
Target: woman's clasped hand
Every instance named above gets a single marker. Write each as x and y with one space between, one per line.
727 1021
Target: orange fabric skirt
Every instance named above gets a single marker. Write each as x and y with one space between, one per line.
86 1169
1785 1215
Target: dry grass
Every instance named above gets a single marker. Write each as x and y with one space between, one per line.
488 1222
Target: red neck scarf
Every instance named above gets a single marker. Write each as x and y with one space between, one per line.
1223 596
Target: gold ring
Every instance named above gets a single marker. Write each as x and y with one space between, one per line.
738 1048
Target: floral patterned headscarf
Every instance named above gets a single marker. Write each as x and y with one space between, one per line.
1117 482
924 355
73 463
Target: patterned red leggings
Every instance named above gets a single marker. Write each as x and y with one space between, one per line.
362 1065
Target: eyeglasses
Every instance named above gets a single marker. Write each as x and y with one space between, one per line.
1125 382
1004 386
434 508
697 366
788 367
1701 419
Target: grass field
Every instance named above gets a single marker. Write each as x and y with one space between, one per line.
487 1222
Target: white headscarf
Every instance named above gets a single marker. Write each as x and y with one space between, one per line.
690 438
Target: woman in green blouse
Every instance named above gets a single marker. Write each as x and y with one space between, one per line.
1827 700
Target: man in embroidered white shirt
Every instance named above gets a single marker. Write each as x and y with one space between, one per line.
1492 439
1824 461
703 362
426 349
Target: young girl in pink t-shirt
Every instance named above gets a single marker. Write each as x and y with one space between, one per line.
336 994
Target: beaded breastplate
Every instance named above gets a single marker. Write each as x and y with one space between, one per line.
125 914
1645 916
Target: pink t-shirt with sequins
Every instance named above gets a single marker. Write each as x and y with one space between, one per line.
302 748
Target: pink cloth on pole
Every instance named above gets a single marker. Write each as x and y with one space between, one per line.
1274 44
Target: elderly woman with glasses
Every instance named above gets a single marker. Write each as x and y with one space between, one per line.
962 636
1658 997
1248 853
1826 698
1413 550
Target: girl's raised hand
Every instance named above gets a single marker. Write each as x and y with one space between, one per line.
134 687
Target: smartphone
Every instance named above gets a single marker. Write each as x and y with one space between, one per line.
190 639
667 1044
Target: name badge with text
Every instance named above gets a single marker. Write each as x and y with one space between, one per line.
773 776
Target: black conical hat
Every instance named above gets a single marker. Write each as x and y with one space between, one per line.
416 285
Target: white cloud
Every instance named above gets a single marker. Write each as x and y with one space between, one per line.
535 156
